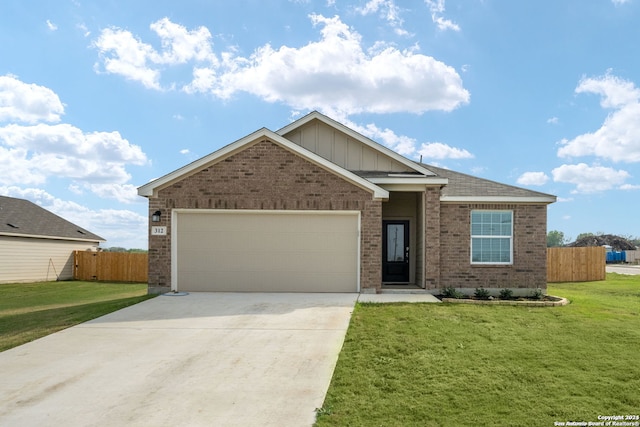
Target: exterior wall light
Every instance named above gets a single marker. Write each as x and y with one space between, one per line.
156 216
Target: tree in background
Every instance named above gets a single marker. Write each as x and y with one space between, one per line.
120 249
583 235
555 239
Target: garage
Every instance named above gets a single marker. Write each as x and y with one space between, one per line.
265 251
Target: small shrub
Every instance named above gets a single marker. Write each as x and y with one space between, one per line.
482 293
450 292
506 293
537 294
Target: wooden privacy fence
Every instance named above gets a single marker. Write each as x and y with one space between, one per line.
576 264
110 266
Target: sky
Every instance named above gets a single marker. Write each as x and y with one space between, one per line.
99 97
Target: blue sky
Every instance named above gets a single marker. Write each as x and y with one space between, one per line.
100 97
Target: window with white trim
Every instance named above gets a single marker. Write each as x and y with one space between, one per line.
491 237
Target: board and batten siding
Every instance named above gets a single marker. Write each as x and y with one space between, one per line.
339 148
25 259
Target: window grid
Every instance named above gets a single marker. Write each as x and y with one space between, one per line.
491 237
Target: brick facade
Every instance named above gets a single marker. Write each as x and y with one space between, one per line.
529 269
266 176
432 209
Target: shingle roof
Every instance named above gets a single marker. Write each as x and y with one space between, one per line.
463 185
22 217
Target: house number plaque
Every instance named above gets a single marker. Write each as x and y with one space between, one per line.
158 230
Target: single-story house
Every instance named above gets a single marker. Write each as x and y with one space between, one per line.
37 245
318 207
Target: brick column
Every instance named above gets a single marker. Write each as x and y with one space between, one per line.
432 237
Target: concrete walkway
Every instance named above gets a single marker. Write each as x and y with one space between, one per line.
204 359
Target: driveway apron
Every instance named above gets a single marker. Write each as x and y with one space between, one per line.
204 359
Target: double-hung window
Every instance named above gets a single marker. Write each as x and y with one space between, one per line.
491 237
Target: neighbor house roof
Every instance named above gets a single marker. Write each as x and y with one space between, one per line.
467 188
19 217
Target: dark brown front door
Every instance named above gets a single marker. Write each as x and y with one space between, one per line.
395 251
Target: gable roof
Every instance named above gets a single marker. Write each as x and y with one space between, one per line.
19 217
455 186
467 188
151 188
314 115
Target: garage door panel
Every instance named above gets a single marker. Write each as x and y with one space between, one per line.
267 251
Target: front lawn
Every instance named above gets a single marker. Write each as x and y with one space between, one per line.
471 365
32 310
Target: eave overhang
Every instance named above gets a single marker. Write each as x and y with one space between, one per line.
498 199
39 236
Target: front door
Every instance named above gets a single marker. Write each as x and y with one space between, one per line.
395 251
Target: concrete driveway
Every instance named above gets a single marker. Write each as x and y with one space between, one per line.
205 359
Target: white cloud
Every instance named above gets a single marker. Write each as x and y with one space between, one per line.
590 179
618 139
30 154
179 45
85 31
388 10
400 143
533 178
65 151
335 73
619 2
437 8
29 103
120 227
122 53
124 193
51 26
553 120
630 187
438 150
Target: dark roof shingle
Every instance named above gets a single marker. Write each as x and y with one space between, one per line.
463 185
22 217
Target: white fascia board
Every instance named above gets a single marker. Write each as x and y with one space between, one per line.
497 199
149 189
38 236
358 137
423 181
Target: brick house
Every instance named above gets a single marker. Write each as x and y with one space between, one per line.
317 207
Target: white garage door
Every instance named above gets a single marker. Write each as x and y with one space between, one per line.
267 251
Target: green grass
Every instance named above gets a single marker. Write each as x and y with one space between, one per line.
32 310
471 365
